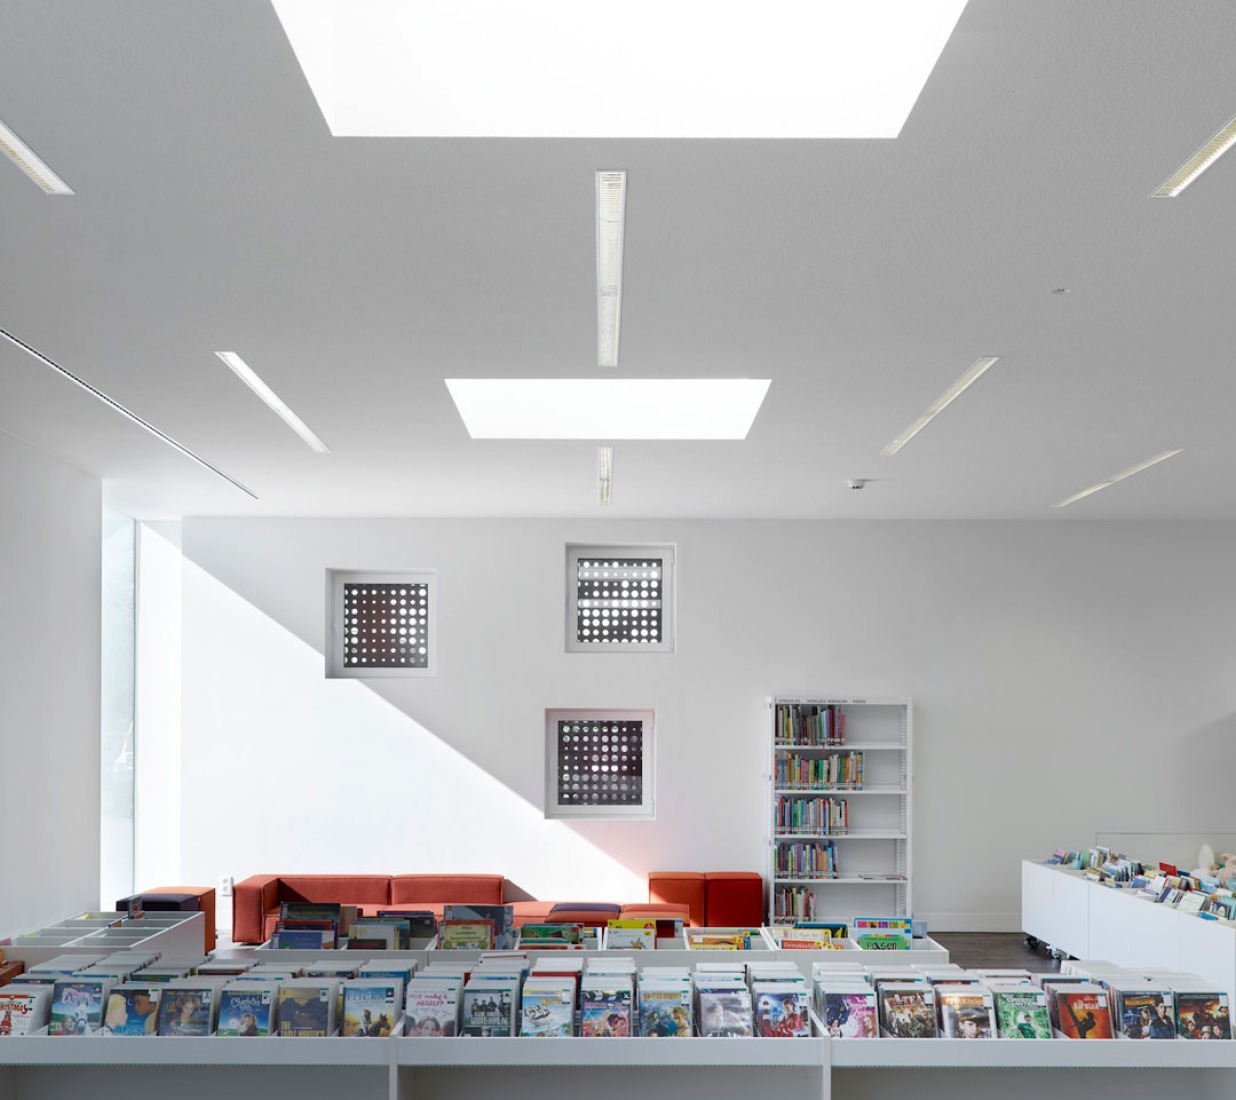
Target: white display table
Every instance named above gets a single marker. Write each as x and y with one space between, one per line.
1089 921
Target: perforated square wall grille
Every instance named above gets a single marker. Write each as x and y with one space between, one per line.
620 599
381 624
599 763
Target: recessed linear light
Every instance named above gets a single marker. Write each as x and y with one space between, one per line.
250 378
1198 163
608 408
1118 477
605 473
31 163
940 403
483 68
111 403
611 212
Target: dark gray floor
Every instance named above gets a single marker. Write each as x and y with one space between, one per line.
994 949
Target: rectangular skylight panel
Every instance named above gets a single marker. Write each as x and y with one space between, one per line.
608 408
562 68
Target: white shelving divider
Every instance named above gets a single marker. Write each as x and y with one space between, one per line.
873 855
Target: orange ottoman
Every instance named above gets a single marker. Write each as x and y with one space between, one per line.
733 899
679 888
205 902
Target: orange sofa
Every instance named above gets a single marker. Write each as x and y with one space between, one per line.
256 900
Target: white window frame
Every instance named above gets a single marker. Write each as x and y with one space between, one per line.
667 552
645 808
335 580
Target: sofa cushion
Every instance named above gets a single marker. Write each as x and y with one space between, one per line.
532 912
733 899
583 912
422 891
343 889
679 888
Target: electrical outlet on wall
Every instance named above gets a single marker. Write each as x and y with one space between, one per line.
226 882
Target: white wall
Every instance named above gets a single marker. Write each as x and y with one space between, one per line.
1068 678
50 533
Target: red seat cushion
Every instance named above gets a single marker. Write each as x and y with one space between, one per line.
733 899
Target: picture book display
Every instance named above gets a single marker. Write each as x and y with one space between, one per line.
1021 1012
132 1010
467 935
501 919
1202 1015
247 1010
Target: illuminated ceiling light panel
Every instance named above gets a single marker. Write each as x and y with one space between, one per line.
1117 477
250 378
31 163
561 68
605 474
611 214
1198 163
608 408
976 369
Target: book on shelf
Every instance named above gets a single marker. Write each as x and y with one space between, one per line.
809 724
1202 1014
247 1009
907 1010
77 1005
132 1010
806 859
307 1007
24 1008
371 1006
966 1012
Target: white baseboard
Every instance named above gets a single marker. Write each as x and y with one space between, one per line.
971 922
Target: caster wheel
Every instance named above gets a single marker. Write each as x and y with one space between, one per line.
1056 953
1031 942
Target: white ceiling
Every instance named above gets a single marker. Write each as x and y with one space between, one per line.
214 211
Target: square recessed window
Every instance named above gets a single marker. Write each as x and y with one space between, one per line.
381 624
598 763
620 599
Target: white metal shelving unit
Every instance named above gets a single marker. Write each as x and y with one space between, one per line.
873 855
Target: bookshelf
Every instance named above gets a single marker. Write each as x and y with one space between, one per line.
839 808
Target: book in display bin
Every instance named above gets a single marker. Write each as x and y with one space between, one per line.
631 935
907 1010
605 1008
664 1009
1202 1015
1082 1012
77 1005
132 1010
500 917
24 1009
780 1011
1021 1011
1143 1013
966 1012
548 1009
725 1014
850 1013
307 1007
371 1007
882 933
489 1009
467 935
247 1009
431 1010
187 1009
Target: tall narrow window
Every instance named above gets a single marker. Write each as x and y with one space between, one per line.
116 757
620 599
